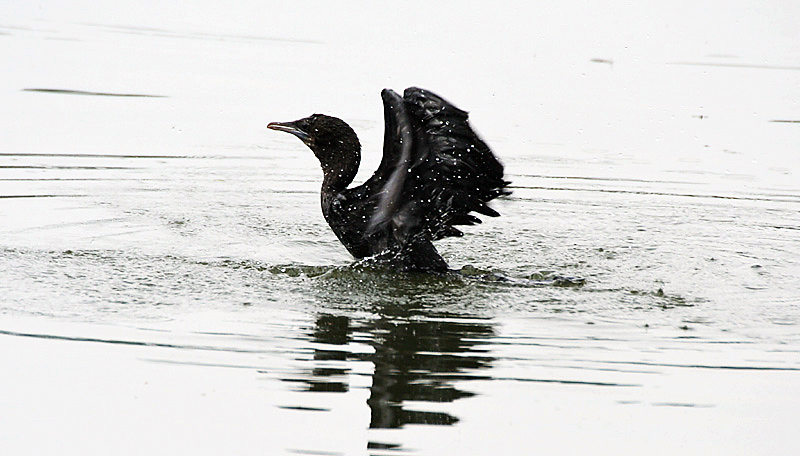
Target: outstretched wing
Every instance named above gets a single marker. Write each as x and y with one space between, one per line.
435 171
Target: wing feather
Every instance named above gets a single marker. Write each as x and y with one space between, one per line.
434 172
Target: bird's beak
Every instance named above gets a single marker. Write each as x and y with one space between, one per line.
290 127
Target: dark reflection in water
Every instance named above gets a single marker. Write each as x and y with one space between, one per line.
330 330
418 361
414 360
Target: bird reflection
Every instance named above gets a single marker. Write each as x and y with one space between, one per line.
330 330
414 360
418 361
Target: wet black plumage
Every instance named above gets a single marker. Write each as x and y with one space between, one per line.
434 173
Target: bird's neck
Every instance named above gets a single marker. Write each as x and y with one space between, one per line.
340 166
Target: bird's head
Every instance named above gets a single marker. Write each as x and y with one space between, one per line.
322 134
333 142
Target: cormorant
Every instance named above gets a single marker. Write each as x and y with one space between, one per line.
435 170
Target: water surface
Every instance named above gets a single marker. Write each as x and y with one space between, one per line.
168 283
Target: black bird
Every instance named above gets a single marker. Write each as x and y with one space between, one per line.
435 170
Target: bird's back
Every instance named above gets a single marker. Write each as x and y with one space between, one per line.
435 170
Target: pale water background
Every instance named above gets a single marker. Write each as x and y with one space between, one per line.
168 284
